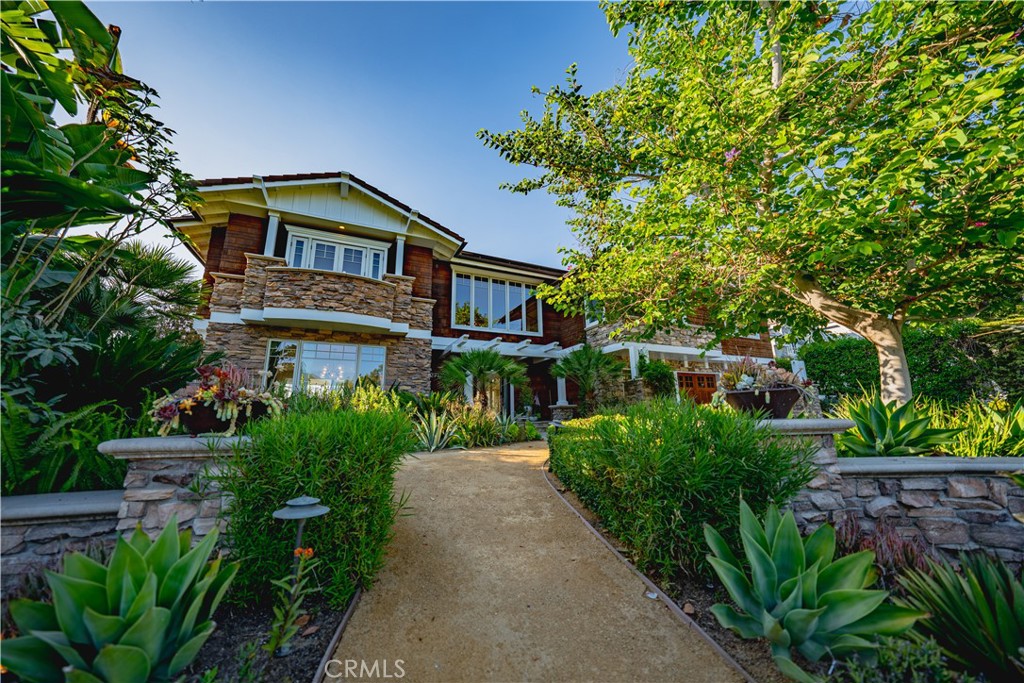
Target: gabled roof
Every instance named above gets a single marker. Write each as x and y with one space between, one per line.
546 271
330 175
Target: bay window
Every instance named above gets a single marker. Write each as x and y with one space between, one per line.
324 251
495 304
321 366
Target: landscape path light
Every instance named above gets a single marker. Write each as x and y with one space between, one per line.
301 509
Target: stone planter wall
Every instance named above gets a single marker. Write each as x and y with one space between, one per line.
954 504
163 480
37 530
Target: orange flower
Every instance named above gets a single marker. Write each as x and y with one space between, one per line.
309 553
298 552
186 404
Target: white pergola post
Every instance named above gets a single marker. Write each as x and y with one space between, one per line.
562 401
268 248
634 362
400 255
468 389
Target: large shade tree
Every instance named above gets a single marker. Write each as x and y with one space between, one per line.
794 162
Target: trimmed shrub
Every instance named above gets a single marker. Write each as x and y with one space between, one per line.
347 459
659 471
658 375
945 364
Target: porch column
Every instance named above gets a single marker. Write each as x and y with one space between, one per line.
268 248
468 389
634 362
400 255
562 401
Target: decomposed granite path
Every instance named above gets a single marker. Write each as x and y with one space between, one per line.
491 577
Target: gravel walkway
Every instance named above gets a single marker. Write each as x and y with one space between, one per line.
491 577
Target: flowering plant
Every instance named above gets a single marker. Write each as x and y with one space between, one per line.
227 390
749 375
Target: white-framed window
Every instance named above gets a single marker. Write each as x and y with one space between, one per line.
322 251
593 312
322 366
495 304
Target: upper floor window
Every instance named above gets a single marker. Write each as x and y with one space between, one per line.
495 304
352 255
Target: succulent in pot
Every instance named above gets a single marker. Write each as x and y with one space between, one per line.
222 400
755 387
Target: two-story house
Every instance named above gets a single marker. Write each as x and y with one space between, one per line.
318 279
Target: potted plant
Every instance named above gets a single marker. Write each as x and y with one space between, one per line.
222 400
753 387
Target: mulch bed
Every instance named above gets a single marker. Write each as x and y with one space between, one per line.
695 596
243 629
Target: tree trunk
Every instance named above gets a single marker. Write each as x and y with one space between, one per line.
884 333
892 364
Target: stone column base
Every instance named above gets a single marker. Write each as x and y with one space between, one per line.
562 412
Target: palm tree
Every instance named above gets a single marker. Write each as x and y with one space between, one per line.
587 367
486 367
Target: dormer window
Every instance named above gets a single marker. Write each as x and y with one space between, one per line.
341 254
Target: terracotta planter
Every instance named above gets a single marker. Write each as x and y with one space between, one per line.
203 419
782 401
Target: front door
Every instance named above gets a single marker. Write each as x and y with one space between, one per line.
698 386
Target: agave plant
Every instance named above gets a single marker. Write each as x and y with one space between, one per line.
976 614
890 429
143 617
798 597
433 431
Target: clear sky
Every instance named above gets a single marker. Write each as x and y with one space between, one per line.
392 92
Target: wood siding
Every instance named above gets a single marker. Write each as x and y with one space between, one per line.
419 263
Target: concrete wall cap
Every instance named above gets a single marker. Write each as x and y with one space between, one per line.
812 426
912 466
159 447
56 506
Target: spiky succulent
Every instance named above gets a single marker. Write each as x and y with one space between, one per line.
143 617
796 596
890 429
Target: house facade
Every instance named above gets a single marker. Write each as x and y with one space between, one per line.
319 279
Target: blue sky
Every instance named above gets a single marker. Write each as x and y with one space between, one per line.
392 92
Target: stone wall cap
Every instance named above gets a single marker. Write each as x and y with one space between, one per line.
264 257
811 426
336 273
423 298
912 465
157 447
49 506
396 276
228 276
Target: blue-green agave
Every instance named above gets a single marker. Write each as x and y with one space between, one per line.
796 596
142 617
890 429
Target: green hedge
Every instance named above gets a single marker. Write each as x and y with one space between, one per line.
658 472
946 363
348 459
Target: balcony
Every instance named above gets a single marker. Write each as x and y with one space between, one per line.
272 293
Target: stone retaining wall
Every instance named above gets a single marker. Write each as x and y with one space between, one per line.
954 504
37 530
163 480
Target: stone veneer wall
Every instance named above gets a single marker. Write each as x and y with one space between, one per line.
322 290
36 530
163 480
407 362
954 504
226 296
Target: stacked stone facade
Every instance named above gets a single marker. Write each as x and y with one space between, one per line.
953 504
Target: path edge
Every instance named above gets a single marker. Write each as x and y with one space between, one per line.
321 669
665 599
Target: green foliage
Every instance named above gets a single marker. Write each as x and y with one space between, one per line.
867 174
345 457
946 363
446 402
903 660
433 431
588 368
1006 364
477 427
486 367
44 451
142 617
988 430
797 596
976 615
895 554
658 375
888 429
660 470
292 591
361 395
